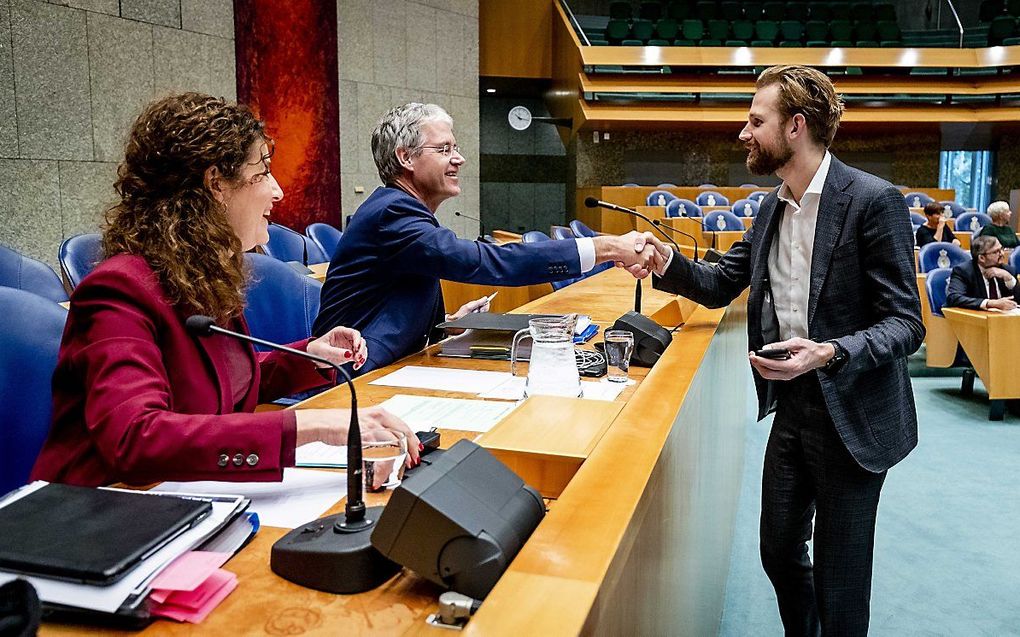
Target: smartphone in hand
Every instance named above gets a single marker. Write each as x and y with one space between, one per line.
779 354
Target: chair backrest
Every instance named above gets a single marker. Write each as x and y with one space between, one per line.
24 273
683 208
325 236
721 220
562 232
711 198
758 195
666 185
281 303
917 219
748 185
78 255
707 187
941 254
972 221
745 208
581 230
917 199
288 245
659 198
1014 259
29 343
631 185
952 209
937 285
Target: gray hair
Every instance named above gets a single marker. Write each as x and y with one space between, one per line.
997 209
981 244
400 127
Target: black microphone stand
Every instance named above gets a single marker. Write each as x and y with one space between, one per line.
334 553
711 255
484 238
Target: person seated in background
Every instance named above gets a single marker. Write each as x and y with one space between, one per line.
136 397
999 227
935 229
384 276
985 283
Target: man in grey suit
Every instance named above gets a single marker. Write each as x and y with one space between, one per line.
829 261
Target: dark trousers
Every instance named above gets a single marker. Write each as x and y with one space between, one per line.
810 474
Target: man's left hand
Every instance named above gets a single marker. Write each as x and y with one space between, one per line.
805 355
340 345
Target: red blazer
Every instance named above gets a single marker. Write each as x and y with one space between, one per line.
137 399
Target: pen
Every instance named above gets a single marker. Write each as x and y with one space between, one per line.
488 300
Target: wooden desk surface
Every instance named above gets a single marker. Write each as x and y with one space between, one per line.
587 548
991 340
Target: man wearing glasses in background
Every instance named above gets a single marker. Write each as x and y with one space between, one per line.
985 283
383 279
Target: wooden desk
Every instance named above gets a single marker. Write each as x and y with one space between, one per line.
638 542
991 341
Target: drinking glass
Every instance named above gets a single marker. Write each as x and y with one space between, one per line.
619 346
382 461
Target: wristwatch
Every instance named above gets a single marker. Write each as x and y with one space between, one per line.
838 359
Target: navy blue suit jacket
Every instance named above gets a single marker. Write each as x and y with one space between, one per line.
384 277
967 287
863 295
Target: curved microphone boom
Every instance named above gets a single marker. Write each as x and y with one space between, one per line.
592 202
339 558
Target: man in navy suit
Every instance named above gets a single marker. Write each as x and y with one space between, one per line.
985 283
384 277
829 263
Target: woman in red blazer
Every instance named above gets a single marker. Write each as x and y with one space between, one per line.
137 399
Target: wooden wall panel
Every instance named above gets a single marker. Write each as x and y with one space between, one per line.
515 38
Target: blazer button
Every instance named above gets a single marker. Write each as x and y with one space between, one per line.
252 459
224 460
238 459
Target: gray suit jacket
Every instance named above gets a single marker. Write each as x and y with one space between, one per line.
863 295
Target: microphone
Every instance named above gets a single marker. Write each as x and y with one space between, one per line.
484 238
711 255
335 553
592 202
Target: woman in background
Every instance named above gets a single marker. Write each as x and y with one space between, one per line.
137 398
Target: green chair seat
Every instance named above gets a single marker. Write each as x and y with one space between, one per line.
867 44
816 30
710 42
617 30
766 30
1011 41
791 30
692 29
632 42
791 44
718 29
762 43
743 30
840 43
643 30
841 30
817 44
735 43
667 29
684 43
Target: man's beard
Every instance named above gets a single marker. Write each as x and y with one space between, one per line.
764 162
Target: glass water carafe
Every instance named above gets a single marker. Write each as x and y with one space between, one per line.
552 370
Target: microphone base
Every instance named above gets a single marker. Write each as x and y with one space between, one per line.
317 556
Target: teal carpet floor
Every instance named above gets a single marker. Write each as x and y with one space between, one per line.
947 554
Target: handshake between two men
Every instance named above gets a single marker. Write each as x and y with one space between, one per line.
640 253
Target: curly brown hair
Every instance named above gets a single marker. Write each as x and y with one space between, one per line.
167 215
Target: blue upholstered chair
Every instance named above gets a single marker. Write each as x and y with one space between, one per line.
287 245
78 255
281 304
749 185
940 254
711 198
325 236
758 195
745 208
680 207
581 230
666 185
917 219
24 273
707 186
971 222
562 232
917 199
1014 259
954 209
29 343
659 198
631 185
937 286
722 220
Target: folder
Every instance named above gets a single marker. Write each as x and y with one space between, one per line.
488 335
93 536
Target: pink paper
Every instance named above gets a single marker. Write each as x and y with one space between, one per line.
188 571
213 591
200 596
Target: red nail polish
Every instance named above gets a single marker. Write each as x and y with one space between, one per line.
421 446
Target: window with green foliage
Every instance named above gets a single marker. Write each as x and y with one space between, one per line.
969 172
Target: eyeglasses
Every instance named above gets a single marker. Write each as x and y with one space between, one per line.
445 150
992 251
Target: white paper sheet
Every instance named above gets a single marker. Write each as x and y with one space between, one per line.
513 389
303 496
109 598
443 379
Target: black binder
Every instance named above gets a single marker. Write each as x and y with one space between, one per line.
94 536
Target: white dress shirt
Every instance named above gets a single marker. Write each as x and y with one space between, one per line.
790 255
988 289
586 252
